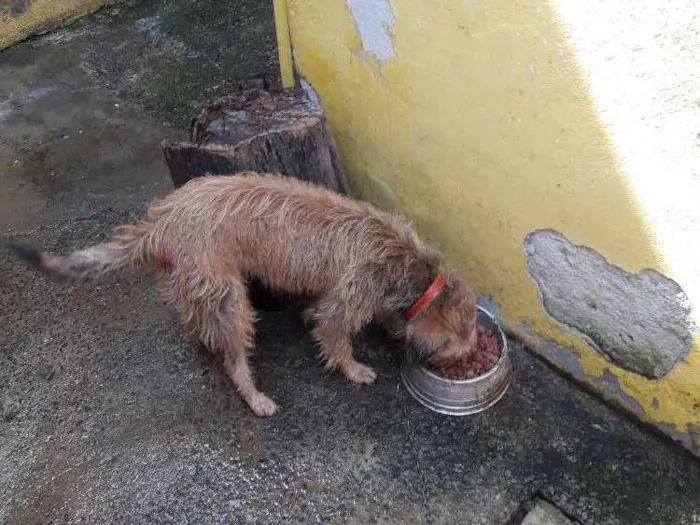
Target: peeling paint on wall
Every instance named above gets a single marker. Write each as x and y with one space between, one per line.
688 438
479 164
309 92
606 385
563 358
490 304
374 20
13 7
642 321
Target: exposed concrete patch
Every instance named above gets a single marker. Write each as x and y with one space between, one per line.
374 20
606 385
642 321
544 513
310 92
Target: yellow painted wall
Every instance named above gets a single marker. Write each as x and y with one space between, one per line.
481 127
41 15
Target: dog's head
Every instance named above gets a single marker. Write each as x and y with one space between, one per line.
445 333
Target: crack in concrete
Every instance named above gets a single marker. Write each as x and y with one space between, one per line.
419 461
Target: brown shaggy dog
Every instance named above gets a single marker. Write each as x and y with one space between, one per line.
208 237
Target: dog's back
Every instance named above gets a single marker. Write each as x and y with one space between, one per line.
208 237
293 235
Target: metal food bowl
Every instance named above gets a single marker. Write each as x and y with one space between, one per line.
460 397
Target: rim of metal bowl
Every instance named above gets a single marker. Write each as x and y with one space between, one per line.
504 350
502 367
430 405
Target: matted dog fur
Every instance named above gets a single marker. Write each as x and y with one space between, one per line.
208 238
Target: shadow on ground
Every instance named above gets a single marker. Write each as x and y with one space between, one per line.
83 109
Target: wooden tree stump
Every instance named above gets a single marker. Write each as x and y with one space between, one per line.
257 131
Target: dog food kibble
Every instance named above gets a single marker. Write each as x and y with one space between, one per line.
484 357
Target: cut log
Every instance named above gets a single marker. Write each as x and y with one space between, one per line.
257 131
268 133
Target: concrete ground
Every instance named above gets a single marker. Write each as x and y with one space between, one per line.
108 415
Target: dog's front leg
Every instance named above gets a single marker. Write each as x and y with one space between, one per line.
336 350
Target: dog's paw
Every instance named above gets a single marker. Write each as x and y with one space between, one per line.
359 373
262 405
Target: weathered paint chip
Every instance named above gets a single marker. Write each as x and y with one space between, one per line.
310 92
642 321
609 388
374 20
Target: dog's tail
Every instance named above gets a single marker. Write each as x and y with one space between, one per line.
128 247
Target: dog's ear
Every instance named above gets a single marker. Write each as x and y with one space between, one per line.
460 294
402 294
410 285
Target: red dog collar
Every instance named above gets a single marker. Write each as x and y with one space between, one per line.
424 300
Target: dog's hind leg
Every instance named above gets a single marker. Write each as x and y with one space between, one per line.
222 317
239 371
334 328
